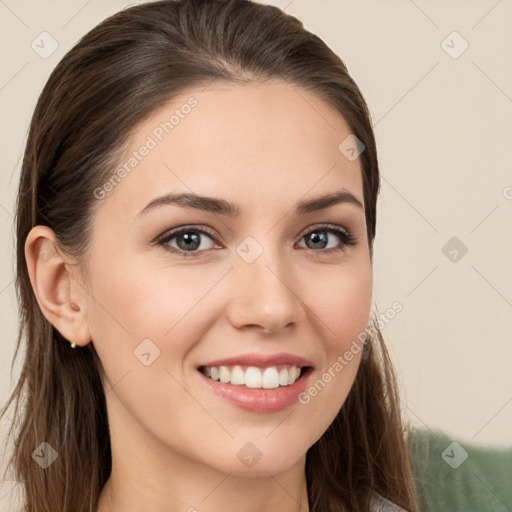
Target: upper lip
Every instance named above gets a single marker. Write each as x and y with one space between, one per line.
261 360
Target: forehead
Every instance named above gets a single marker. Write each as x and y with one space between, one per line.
258 142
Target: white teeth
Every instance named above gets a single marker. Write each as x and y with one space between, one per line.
224 374
270 378
293 374
254 377
237 376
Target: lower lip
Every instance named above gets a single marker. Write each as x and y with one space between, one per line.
260 400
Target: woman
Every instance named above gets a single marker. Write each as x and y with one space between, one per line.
195 226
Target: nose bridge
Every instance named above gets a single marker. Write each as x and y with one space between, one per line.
265 294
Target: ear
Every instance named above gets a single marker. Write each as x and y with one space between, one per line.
60 296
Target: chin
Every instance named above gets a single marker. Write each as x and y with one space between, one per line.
259 458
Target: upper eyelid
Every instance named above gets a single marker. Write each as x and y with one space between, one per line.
178 230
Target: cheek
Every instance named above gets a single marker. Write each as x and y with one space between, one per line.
342 306
140 302
342 302
149 314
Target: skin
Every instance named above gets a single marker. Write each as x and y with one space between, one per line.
174 442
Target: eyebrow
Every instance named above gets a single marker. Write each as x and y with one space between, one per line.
223 207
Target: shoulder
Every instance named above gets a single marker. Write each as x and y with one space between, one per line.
380 504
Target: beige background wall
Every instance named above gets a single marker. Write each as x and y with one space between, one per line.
442 117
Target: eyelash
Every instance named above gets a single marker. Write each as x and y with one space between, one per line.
347 240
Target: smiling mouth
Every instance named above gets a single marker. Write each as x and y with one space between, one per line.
253 377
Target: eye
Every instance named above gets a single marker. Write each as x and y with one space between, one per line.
319 237
188 240
189 243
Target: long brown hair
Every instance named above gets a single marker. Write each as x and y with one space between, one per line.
110 81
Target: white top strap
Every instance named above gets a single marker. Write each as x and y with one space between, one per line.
381 504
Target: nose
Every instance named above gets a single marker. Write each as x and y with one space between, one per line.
264 295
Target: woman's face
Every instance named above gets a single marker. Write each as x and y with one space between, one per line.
267 289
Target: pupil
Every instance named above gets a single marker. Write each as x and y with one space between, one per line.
315 238
194 239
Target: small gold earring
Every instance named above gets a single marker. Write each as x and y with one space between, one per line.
73 344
